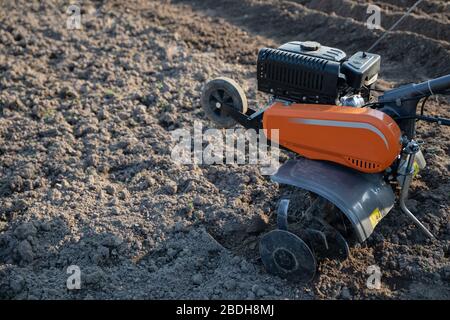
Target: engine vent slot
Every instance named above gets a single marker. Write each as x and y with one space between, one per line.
363 164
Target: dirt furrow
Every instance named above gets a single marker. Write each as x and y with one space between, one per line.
437 9
424 25
285 20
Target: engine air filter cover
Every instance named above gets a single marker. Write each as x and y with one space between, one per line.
298 77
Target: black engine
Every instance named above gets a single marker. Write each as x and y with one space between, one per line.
307 72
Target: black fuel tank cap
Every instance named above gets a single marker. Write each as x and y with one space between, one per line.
310 45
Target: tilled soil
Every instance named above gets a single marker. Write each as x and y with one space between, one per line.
86 175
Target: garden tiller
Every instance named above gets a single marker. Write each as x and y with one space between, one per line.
358 153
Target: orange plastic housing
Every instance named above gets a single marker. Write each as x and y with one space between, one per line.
365 139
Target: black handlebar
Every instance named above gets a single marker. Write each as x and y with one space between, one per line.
433 86
402 102
423 89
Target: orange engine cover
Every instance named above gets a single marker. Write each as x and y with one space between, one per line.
365 139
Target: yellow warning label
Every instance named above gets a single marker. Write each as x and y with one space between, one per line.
375 217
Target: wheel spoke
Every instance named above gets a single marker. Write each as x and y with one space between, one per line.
227 98
216 95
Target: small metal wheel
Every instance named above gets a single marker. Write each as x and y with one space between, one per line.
286 255
218 92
